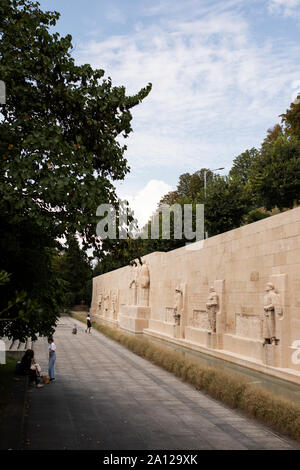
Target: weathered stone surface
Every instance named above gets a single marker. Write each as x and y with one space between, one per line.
237 265
107 397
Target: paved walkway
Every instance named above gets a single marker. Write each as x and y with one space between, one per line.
106 397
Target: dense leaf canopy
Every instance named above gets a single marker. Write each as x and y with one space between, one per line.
60 149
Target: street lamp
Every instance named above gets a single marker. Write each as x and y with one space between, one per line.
205 171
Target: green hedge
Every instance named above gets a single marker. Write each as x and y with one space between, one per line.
282 415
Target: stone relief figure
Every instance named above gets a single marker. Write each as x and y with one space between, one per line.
106 303
100 298
143 284
114 305
133 285
178 305
212 305
272 308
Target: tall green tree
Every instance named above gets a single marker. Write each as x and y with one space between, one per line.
75 269
226 205
192 185
243 165
60 126
32 294
291 119
60 145
276 176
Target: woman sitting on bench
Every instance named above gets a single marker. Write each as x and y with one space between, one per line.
29 367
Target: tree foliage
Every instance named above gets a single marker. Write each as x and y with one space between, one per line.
60 153
60 124
75 270
31 296
276 177
242 166
291 119
226 205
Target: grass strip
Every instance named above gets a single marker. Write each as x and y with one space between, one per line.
280 414
7 372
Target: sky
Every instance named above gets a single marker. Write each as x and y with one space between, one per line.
222 72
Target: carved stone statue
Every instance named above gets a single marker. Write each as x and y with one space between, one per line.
143 284
212 305
133 285
100 298
106 303
272 308
178 305
114 305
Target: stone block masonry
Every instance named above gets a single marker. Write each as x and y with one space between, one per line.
233 296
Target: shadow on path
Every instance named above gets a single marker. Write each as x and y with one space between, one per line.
107 398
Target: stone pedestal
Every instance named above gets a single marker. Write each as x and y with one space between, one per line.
202 337
271 353
134 318
161 327
248 347
177 331
212 340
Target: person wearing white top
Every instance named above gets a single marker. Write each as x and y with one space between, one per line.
52 358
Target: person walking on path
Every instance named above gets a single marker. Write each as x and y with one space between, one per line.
88 324
52 358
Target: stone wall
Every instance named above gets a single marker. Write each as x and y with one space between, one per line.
210 295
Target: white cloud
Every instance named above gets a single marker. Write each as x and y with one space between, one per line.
285 7
115 15
214 86
144 203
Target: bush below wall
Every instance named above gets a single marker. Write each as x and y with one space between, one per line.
282 415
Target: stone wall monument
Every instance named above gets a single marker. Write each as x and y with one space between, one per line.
143 284
106 304
114 305
206 326
99 304
178 305
275 329
238 264
135 315
212 306
272 309
133 285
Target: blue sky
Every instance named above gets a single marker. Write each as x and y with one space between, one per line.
222 72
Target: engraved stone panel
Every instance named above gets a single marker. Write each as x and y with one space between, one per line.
200 319
254 276
169 315
246 310
248 326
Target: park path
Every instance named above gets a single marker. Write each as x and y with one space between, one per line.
107 398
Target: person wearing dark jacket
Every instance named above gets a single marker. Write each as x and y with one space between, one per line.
26 368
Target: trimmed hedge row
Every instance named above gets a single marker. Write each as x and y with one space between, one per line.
279 413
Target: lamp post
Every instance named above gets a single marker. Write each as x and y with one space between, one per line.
205 171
